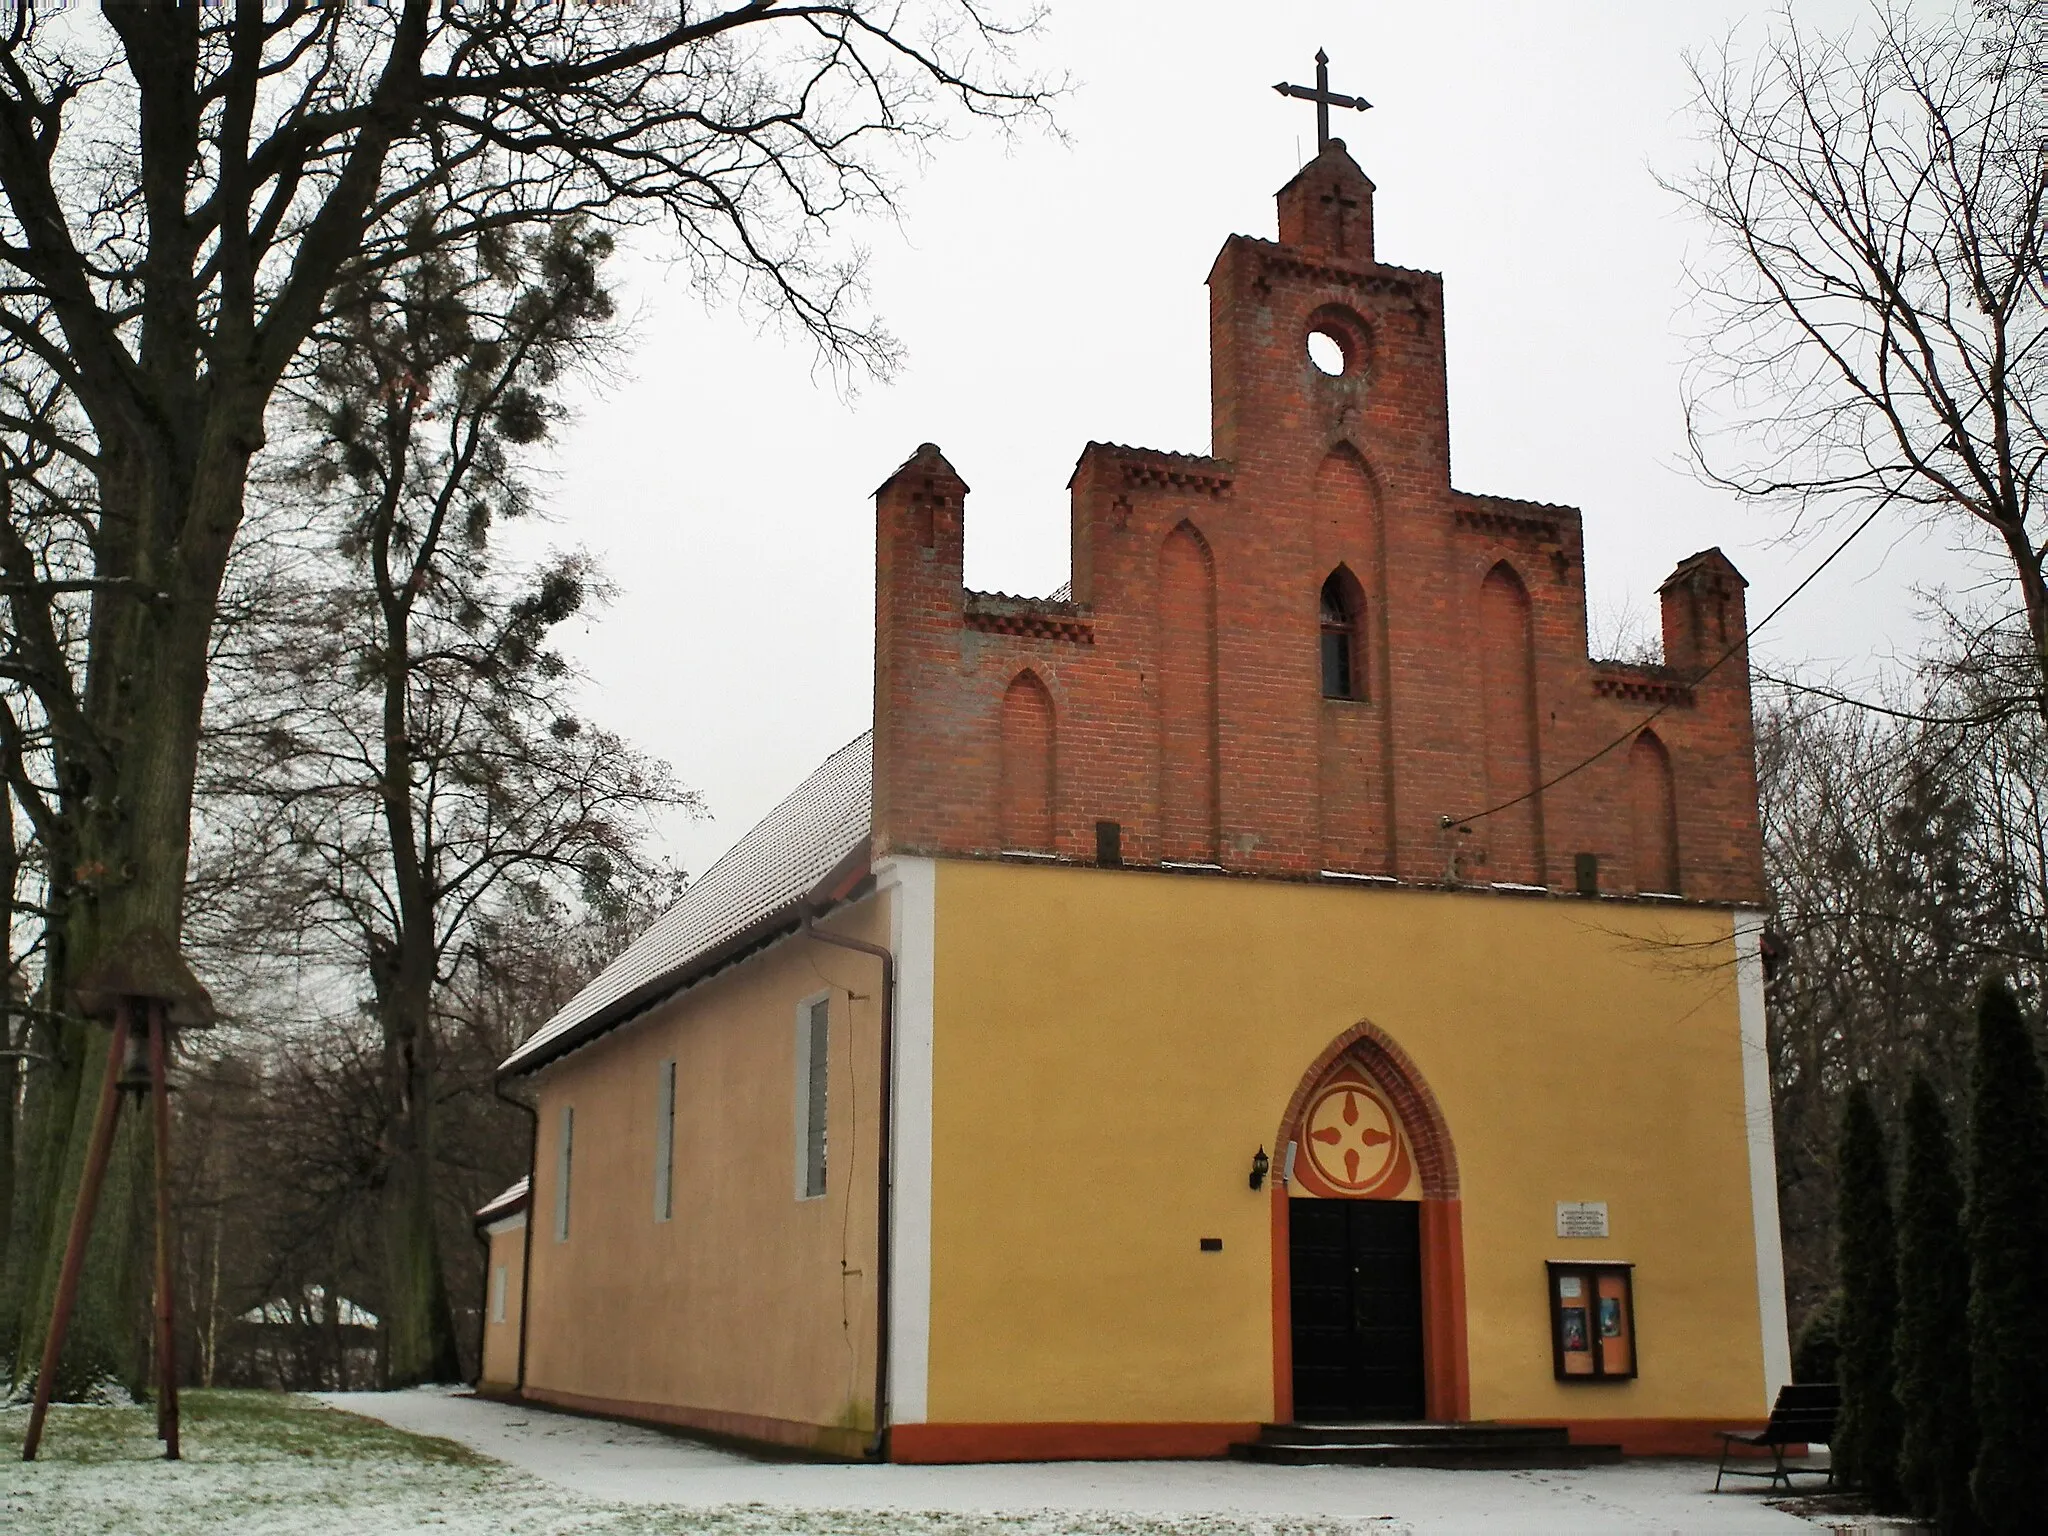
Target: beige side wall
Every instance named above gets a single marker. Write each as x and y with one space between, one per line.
750 1311
1110 1049
501 1337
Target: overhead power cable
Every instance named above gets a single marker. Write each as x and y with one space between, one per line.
1991 714
1448 821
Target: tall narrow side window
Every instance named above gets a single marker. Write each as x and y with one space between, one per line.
813 1062
565 1157
497 1293
665 1142
1340 639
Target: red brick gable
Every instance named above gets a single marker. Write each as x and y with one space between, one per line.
1179 692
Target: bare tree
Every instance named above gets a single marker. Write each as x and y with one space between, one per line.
1907 849
1875 334
396 760
281 1133
183 187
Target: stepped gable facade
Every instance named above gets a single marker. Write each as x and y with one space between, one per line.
1175 692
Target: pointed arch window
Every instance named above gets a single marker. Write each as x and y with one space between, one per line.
1342 664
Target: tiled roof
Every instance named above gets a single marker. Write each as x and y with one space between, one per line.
1167 455
503 1204
1704 557
766 874
1159 467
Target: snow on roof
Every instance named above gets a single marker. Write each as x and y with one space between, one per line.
768 872
311 1308
504 1203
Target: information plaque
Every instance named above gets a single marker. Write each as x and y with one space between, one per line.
1582 1218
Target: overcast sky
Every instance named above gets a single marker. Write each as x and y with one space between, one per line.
1047 294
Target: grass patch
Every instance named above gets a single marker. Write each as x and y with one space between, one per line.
269 1464
260 1462
241 1426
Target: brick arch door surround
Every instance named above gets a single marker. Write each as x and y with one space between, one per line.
1446 1373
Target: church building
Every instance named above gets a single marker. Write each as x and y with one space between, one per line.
1278 980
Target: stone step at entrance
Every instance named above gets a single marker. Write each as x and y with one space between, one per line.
1410 1444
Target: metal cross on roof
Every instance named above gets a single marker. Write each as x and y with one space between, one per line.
1324 98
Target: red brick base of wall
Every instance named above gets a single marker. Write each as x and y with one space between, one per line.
1187 1442
1652 1437
1065 1442
952 1443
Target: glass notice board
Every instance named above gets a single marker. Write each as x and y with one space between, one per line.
1593 1321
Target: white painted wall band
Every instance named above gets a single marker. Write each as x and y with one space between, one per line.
912 885
1763 1154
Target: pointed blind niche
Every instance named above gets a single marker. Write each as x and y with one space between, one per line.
1028 766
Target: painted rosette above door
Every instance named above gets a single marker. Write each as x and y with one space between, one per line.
1352 1145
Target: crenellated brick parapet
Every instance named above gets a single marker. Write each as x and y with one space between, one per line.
998 613
1642 684
1308 653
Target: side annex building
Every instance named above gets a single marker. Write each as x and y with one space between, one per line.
1280 978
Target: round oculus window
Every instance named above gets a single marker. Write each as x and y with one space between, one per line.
1326 351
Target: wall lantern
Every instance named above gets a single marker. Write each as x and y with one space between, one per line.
1259 1166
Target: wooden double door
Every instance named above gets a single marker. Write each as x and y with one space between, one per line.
1355 1281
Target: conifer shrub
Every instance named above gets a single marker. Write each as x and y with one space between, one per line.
1938 1426
1817 1353
1866 1448
2008 1250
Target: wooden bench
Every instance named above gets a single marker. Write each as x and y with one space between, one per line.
1802 1415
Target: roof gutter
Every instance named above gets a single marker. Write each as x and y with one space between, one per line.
885 1170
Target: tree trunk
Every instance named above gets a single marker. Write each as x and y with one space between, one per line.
145 689
10 1090
108 1339
334 1364
10 1067
418 1322
43 1133
210 1337
2027 565
14 1029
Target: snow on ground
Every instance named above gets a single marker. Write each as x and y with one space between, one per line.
621 1464
266 1465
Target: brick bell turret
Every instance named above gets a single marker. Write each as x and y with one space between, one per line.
1328 207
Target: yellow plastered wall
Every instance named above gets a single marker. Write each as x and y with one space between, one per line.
501 1334
1111 1048
749 1310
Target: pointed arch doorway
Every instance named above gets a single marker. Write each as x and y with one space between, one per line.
1368 1247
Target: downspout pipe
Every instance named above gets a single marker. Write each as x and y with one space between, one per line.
532 1113
885 1181
483 1311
